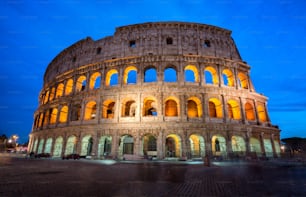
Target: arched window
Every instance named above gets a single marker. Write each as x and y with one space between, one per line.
59 90
211 75
81 83
76 112
170 75
191 74
261 113
249 111
228 77
215 108
194 108
171 107
90 110
111 78
243 81
69 86
53 116
41 118
150 75
149 107
233 109
46 117
52 94
63 114
130 75
95 79
46 98
108 109
129 109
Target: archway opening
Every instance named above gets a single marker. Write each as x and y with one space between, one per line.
211 75
108 109
173 146
149 107
87 143
228 78
233 110
150 75
238 145
48 146
58 146
171 107
249 111
149 145
130 75
170 75
215 108
126 145
255 146
218 144
71 145
111 78
197 146
105 146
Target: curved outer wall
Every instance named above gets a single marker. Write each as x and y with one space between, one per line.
206 106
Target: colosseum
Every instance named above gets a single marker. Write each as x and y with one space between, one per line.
161 90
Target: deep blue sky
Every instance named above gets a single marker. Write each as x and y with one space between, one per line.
270 35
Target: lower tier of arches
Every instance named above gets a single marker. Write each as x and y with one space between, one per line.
162 143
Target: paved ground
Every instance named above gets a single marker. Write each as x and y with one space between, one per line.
50 177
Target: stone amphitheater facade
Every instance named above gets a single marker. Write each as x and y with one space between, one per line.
163 89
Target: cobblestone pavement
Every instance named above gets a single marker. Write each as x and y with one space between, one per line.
51 177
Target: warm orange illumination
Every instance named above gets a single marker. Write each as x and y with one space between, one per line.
233 109
90 110
126 73
81 83
230 77
46 119
194 107
109 76
171 107
93 79
52 94
218 144
213 73
194 70
261 113
46 98
249 111
63 114
149 106
215 108
197 145
128 108
173 145
243 80
53 116
108 110
59 90
41 117
69 86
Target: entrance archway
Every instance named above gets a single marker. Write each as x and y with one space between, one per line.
105 146
238 145
48 146
197 146
255 146
218 143
173 146
149 145
71 145
87 142
40 146
126 145
58 146
268 147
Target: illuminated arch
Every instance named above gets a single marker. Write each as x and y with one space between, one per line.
194 107
238 144
46 117
53 116
218 144
129 76
211 75
268 147
228 78
59 90
197 145
71 145
150 75
194 71
94 81
215 108
58 145
173 146
170 74
41 117
69 86
109 75
255 146
149 145
128 108
261 113
52 94
249 111
81 83
104 146
243 80
108 110
46 98
233 109
126 145
149 106
90 110
40 146
171 106
86 145
63 114
48 145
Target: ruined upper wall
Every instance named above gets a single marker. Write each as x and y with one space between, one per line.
146 39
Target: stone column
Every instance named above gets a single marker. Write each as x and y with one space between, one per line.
242 110
224 104
115 145
161 145
262 144
256 112
219 70
95 144
273 146
208 144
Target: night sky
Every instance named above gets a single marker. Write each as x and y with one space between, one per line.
270 36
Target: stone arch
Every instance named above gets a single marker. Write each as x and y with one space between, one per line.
52 94
71 145
63 114
194 107
108 110
126 145
255 146
277 147
211 75
111 78
48 145
150 74
243 80
53 116
90 110
218 143
128 108
46 98
46 117
249 111
69 86
197 145
40 146
86 145
35 145
130 75
76 112
149 106
171 106
228 78
81 83
59 90
268 147
233 109
94 81
173 146
261 113
105 146
215 108
58 146
170 74
191 74
238 144
41 117
149 145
